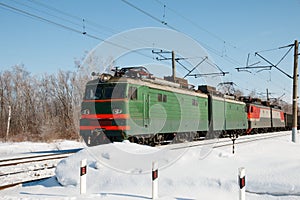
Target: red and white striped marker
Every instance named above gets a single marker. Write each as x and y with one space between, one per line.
154 180
83 171
242 183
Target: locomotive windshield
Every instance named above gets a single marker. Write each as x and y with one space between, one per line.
105 91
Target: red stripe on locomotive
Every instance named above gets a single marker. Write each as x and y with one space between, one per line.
108 128
104 100
105 116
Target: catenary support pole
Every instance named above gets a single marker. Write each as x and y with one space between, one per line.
242 183
154 180
295 95
173 66
83 171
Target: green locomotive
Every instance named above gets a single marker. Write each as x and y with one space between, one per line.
134 105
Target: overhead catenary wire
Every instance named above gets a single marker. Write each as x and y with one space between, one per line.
78 18
25 13
211 49
216 52
166 24
269 67
47 13
89 24
149 15
276 66
87 21
225 57
78 21
34 16
195 24
274 49
98 38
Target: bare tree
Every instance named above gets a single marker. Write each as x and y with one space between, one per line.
44 108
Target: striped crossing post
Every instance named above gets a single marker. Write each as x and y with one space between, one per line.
154 180
242 183
83 171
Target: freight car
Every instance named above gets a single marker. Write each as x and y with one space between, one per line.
133 104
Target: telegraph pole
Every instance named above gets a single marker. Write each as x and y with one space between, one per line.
295 91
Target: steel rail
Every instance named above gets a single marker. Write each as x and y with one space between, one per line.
225 141
26 169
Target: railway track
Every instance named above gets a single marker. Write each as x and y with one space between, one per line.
22 169
216 143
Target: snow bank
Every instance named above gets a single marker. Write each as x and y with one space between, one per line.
272 169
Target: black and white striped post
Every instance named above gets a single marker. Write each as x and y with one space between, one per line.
242 183
154 180
83 171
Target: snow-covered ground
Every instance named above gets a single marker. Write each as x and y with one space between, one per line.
122 171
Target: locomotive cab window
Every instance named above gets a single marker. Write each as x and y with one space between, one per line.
164 98
194 102
161 98
105 91
132 93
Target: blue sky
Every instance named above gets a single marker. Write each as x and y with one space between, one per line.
229 30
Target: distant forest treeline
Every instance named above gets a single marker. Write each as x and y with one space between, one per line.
43 108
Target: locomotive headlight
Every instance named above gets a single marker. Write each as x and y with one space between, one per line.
117 111
85 112
105 77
